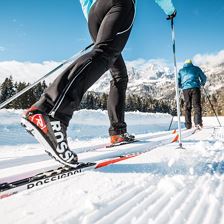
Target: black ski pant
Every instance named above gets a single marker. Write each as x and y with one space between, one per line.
192 97
109 25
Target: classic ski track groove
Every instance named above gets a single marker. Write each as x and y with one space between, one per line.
120 205
140 204
184 207
121 194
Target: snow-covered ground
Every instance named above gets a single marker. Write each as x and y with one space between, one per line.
163 186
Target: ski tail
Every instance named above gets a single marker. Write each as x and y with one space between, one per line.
8 189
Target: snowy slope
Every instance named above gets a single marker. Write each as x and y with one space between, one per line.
164 186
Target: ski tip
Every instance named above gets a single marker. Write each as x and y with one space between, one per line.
174 131
113 161
175 139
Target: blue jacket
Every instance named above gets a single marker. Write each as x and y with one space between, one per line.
166 6
191 76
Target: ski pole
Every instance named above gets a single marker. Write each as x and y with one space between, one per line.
6 102
171 122
212 106
176 83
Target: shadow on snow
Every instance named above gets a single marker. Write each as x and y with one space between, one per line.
162 169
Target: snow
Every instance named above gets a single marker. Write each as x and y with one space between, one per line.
163 186
82 125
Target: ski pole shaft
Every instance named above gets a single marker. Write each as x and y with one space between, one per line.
212 106
171 122
42 78
176 82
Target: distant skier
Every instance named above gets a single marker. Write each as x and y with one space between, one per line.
110 23
190 79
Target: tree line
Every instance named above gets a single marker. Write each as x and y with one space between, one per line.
9 88
93 100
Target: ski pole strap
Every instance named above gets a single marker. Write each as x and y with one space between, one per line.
88 47
172 24
173 37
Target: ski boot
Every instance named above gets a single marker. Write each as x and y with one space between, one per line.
121 139
51 133
198 126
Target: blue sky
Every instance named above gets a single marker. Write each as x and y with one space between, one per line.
40 30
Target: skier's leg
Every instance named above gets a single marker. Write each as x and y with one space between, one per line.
116 99
196 98
65 94
188 107
49 117
118 85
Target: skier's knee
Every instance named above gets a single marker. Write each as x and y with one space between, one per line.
107 54
188 106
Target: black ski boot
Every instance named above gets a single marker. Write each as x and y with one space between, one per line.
51 133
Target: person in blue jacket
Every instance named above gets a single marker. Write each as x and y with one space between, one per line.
110 23
190 80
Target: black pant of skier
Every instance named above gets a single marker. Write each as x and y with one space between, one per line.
190 80
192 97
109 25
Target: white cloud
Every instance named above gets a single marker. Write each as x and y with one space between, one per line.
141 63
30 72
209 59
26 71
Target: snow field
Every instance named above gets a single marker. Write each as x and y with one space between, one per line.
164 186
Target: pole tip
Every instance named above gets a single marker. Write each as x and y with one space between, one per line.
180 146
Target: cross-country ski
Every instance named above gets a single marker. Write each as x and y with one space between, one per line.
112 112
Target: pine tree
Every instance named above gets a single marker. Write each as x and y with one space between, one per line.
7 90
17 103
104 101
89 101
130 103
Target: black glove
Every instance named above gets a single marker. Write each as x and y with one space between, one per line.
172 15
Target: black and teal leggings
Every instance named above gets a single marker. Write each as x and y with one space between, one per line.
110 26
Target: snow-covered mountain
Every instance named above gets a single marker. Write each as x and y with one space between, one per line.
156 77
146 77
